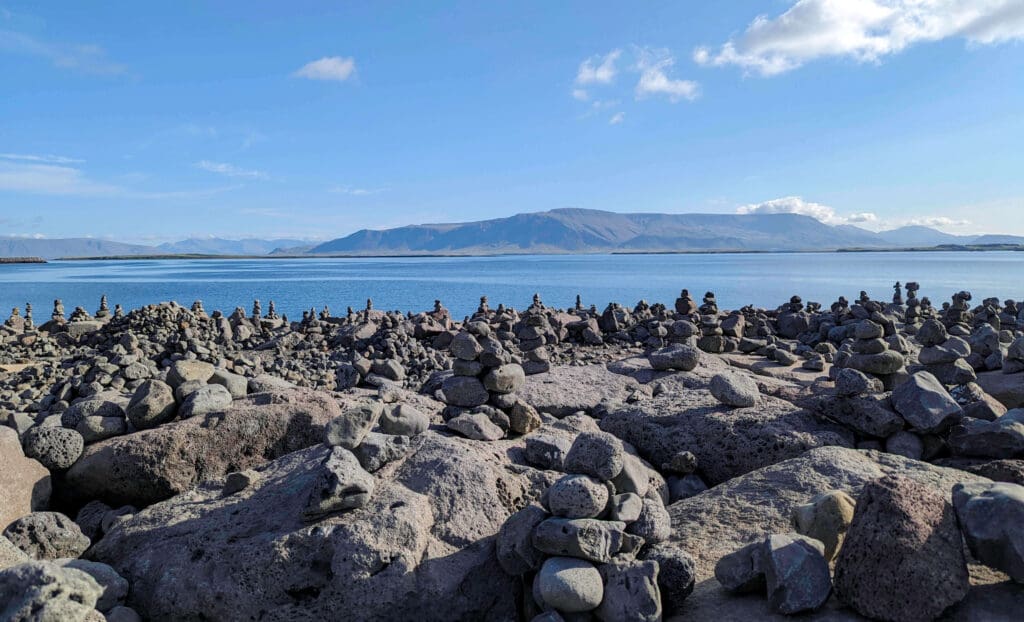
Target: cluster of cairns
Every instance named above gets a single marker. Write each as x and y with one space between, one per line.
901 377
592 543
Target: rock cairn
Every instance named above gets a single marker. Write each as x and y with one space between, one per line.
591 545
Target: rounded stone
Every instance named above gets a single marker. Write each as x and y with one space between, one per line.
152 404
570 585
577 496
826 518
55 448
735 390
47 535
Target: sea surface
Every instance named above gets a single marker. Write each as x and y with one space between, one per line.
412 284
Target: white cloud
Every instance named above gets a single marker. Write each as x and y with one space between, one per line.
46 159
580 95
937 221
653 66
50 179
230 170
91 59
796 205
617 118
336 68
598 69
863 30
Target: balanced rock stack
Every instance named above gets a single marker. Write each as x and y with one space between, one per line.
592 543
534 332
987 347
912 314
957 316
481 399
685 305
871 353
793 320
712 337
944 355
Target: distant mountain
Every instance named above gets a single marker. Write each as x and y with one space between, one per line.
220 246
581 230
916 235
68 247
998 239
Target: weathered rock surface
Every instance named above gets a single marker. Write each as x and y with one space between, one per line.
46 592
568 389
726 443
155 464
423 547
991 516
903 557
47 535
24 483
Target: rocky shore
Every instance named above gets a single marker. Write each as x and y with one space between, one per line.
857 459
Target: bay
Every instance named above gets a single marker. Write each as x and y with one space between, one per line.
413 283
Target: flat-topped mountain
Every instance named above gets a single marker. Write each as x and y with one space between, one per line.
583 230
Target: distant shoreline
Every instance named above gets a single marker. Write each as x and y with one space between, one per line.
912 249
10 260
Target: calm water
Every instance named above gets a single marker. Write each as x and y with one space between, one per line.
413 283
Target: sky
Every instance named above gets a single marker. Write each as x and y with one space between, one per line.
151 122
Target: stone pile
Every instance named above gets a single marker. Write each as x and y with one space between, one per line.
870 353
592 543
944 355
535 332
481 392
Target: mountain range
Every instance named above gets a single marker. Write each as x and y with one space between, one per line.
568 230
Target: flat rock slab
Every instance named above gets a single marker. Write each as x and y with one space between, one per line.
422 548
763 367
731 515
726 441
568 389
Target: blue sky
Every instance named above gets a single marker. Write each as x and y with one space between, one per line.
303 119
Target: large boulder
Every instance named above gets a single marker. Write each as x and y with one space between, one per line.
678 356
991 516
421 548
24 483
743 510
726 442
153 465
925 404
903 556
44 591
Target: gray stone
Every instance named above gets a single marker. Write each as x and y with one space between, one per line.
47 535
90 519
505 379
123 614
597 454
742 570
404 420
569 585
925 404
677 574
11 555
514 544
376 450
654 524
931 333
991 516
796 573
547 451
465 346
826 518
185 371
152 404
95 429
631 592
464 391
851 383
734 389
625 507
353 425
341 484
115 588
55 448
906 444
577 496
476 426
44 592
585 538
881 364
240 480
685 487
208 399
237 386
679 356
92 407
1002 438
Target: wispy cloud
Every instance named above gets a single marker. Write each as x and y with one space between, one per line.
83 58
354 191
654 66
598 69
617 118
937 221
230 170
862 30
797 205
59 180
337 68
46 159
